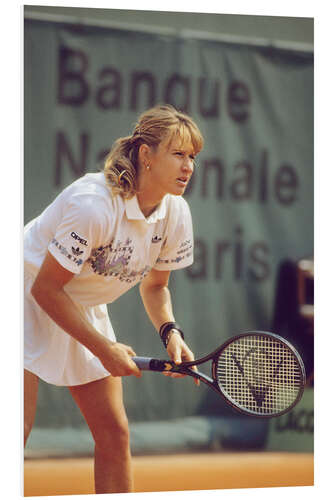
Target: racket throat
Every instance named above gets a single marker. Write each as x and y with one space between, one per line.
159 365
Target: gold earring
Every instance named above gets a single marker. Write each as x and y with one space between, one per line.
148 167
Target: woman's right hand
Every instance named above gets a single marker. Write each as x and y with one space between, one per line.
117 359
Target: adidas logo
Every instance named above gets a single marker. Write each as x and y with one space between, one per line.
76 251
156 239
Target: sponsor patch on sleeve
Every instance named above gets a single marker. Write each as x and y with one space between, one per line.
70 256
79 239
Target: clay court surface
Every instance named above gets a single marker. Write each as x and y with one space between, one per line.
175 472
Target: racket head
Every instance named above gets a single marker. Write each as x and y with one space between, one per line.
259 374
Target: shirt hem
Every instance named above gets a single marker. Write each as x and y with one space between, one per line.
172 267
64 263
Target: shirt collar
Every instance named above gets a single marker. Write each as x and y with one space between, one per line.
133 211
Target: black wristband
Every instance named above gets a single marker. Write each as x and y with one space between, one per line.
165 329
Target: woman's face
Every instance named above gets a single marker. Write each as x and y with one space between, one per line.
171 167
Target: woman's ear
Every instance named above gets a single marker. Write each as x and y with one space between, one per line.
144 154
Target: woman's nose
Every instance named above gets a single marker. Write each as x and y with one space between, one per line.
188 164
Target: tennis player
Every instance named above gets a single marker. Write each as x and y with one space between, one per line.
102 235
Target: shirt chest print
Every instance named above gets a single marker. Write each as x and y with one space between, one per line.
113 260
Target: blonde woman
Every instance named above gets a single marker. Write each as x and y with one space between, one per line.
102 235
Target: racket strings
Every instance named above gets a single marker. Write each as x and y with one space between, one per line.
259 374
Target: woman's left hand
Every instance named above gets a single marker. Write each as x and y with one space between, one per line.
179 352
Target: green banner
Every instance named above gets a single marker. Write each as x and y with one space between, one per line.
251 196
294 430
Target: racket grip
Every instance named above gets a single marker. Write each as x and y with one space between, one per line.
152 364
142 362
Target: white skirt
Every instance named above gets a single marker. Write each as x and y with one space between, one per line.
51 353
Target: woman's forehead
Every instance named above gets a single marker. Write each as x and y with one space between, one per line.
178 142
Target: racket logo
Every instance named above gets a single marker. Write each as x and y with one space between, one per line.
258 371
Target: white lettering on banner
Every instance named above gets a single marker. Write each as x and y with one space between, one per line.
107 91
230 258
296 420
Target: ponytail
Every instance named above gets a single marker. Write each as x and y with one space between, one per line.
120 168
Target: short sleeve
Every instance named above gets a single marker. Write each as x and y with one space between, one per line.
177 249
80 230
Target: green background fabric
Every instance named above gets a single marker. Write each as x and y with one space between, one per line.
251 196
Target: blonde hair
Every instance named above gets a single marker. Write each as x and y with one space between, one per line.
153 126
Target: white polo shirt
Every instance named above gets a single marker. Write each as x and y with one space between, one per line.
107 241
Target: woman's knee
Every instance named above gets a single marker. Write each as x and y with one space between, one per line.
27 430
29 418
101 404
114 434
30 402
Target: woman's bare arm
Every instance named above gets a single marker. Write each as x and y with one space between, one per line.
156 298
48 291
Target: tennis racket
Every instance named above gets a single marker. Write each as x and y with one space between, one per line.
257 373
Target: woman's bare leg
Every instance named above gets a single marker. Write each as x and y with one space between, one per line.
30 402
101 403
